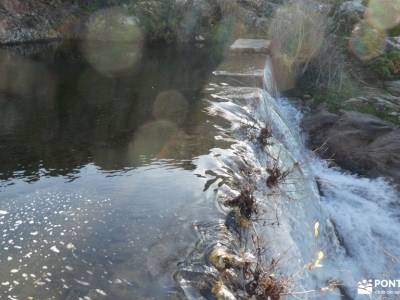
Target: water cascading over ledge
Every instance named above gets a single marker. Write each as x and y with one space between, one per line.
273 236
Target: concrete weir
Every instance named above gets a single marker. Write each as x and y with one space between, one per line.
245 63
268 198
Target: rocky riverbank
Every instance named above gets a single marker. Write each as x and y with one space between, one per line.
24 21
32 21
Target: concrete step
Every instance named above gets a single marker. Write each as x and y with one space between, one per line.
251 46
244 64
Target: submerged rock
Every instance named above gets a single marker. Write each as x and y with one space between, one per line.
359 142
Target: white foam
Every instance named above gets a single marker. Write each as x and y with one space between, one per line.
366 214
55 249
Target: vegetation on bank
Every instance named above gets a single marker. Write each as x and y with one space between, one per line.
159 19
387 66
336 52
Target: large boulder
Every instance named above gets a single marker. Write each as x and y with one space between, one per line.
359 142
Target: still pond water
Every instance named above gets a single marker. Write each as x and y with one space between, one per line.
98 189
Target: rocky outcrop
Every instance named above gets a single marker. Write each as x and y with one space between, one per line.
358 142
383 105
393 43
32 20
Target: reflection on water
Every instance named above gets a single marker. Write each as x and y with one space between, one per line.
60 114
121 236
97 193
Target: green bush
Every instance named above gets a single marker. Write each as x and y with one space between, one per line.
90 6
395 31
338 92
387 66
159 19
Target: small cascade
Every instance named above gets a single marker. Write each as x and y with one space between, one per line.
276 235
264 164
365 215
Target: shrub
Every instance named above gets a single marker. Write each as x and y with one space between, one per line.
90 6
159 19
338 92
387 66
395 31
297 32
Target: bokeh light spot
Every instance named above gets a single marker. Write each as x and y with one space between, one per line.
367 42
383 14
170 105
113 41
151 139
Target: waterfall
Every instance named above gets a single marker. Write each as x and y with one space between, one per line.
356 218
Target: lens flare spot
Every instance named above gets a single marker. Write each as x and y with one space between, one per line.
151 139
113 41
170 105
383 14
367 42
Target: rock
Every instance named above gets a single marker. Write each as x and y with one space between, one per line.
30 20
352 9
393 87
393 43
322 120
349 14
359 142
381 103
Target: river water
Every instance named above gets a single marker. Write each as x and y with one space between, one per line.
98 191
112 185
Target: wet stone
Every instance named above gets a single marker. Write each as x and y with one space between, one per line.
251 46
244 65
